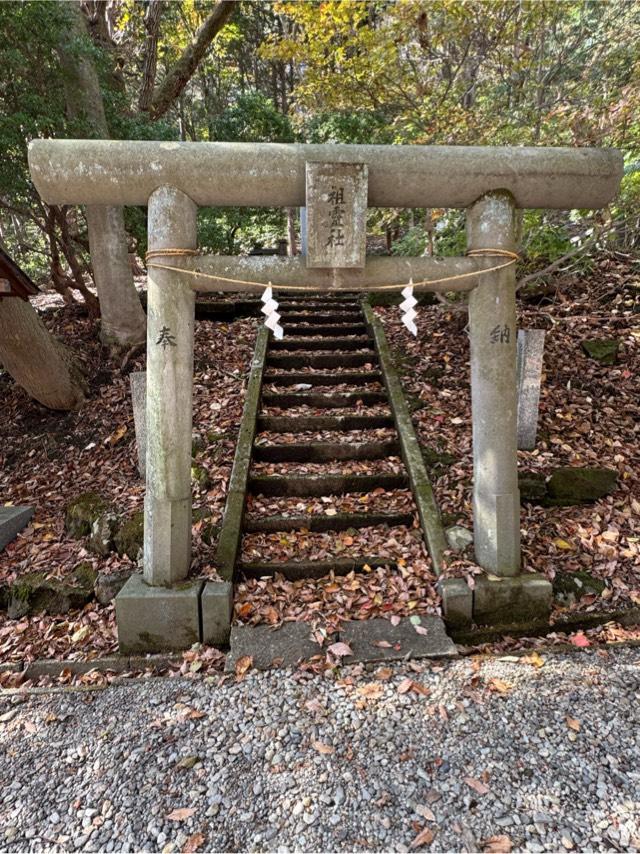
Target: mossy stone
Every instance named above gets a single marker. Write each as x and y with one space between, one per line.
130 538
603 350
197 444
414 402
85 575
200 475
34 593
83 511
436 461
570 586
575 485
532 486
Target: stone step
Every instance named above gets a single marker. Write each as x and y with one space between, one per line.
323 305
320 296
296 570
319 523
323 401
321 452
330 331
341 344
321 360
308 378
321 319
305 423
329 484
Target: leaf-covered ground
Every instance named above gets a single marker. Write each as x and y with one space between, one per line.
588 416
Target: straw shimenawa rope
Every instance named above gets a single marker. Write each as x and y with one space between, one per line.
188 253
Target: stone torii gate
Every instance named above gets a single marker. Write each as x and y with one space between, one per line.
174 178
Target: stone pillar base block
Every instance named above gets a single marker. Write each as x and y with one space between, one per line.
157 619
217 609
12 521
457 602
518 599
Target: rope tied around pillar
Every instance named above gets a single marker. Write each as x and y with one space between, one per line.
512 257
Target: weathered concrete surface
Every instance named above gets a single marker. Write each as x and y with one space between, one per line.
138 384
529 370
12 521
216 604
67 171
457 602
410 447
157 619
511 600
326 451
296 569
229 540
318 522
293 272
305 378
336 221
170 322
492 325
323 401
330 484
368 639
268 647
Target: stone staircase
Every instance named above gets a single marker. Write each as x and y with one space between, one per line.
318 404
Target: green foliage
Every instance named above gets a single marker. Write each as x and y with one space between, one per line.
252 118
412 243
364 127
543 238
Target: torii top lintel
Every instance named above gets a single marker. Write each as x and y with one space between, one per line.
98 172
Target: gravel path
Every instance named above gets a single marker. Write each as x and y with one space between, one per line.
548 756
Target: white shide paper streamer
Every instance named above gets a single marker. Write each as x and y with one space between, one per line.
407 307
270 309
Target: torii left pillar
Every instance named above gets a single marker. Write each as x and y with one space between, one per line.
161 610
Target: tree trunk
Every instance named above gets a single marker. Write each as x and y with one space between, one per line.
292 248
123 318
177 77
152 27
35 359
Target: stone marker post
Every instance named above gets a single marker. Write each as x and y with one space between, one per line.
492 323
530 355
170 322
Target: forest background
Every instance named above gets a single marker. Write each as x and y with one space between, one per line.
438 72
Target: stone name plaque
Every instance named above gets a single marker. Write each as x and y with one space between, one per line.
337 195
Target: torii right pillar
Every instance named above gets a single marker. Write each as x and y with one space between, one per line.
494 402
504 595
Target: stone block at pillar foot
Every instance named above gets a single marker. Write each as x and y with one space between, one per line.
516 599
217 607
457 602
157 619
